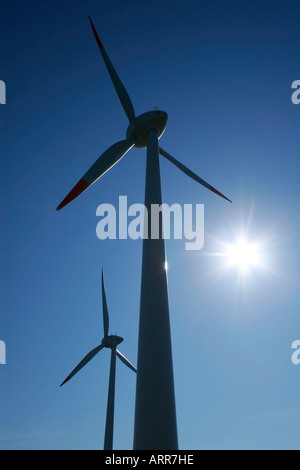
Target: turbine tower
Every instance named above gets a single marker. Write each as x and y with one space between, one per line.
155 411
111 342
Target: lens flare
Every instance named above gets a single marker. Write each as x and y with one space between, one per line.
243 255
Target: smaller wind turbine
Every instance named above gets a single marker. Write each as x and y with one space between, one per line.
111 342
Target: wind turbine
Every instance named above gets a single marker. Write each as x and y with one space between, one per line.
155 410
111 342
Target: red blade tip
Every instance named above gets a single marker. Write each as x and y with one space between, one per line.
67 379
96 35
81 186
220 194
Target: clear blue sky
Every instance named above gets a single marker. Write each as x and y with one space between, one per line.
223 72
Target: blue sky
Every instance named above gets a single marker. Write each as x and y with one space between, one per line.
223 72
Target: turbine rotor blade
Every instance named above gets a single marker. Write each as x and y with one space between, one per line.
119 87
190 173
105 309
84 361
125 361
108 159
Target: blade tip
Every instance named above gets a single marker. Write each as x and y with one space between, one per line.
214 190
78 189
96 34
65 381
61 205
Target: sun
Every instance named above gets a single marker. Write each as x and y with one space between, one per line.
243 255
238 250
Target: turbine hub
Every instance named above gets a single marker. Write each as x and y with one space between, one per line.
139 126
111 341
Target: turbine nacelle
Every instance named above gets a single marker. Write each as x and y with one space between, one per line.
139 126
149 407
111 341
136 136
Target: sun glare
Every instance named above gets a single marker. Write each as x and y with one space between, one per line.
242 252
243 255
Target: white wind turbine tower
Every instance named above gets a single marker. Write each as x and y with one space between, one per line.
111 342
155 411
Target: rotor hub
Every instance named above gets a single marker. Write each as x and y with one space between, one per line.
111 341
139 126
